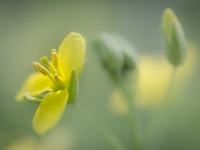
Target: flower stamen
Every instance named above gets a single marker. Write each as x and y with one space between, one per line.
40 68
53 50
53 72
54 58
56 79
48 64
60 80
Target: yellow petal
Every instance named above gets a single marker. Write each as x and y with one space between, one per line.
50 111
71 55
35 84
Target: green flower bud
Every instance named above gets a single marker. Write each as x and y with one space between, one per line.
173 37
117 56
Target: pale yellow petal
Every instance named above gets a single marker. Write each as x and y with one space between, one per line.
35 84
71 55
50 111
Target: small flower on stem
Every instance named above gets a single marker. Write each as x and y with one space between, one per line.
55 86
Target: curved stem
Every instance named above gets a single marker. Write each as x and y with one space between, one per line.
110 136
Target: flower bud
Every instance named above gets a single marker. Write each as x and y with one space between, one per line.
173 37
116 55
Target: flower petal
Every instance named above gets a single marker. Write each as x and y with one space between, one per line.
50 111
35 84
71 55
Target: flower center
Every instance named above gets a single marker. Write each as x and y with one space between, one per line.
52 72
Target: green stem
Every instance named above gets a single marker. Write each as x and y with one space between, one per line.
165 100
133 112
164 104
110 136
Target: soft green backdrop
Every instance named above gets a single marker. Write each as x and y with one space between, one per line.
30 29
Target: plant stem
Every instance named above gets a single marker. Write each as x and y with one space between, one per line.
164 104
133 112
110 136
169 89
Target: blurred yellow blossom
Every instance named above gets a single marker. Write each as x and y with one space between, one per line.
153 80
64 140
25 143
155 74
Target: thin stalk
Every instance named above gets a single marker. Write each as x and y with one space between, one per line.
165 100
164 103
108 135
133 118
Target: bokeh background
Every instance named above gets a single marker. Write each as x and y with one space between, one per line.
30 29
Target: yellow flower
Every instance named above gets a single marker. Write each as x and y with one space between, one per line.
53 87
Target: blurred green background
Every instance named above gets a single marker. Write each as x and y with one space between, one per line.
30 29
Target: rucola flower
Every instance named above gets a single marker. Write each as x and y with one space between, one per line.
55 86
